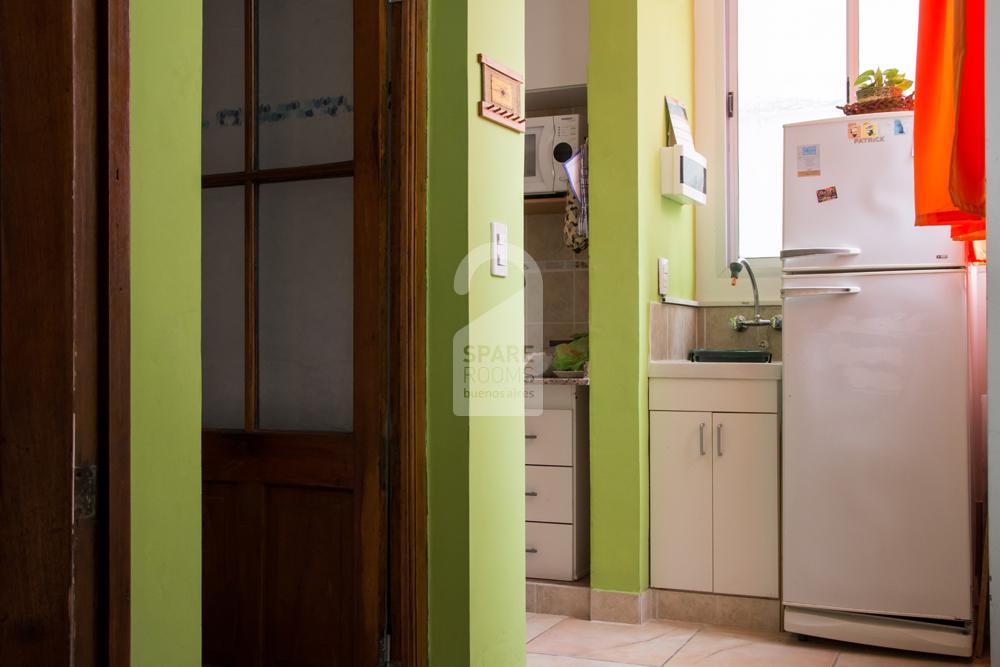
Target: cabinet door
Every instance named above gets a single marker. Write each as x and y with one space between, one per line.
746 504
680 500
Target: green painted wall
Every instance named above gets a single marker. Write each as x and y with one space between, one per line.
166 332
476 461
640 50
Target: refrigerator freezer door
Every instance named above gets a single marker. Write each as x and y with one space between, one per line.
875 468
848 200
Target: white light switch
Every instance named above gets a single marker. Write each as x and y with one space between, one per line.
498 249
663 276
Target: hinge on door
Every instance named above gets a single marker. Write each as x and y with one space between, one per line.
730 104
85 492
384 647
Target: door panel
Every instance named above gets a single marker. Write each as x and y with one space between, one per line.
745 499
305 305
222 330
309 587
680 500
306 83
295 545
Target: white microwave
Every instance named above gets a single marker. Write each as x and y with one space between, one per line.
548 142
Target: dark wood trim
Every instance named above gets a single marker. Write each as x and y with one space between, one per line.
251 192
278 457
371 314
88 549
408 512
115 176
279 175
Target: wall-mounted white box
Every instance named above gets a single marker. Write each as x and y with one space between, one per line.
683 174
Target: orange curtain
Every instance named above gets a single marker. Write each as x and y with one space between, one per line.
949 131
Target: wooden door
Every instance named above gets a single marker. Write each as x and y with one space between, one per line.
50 610
680 500
746 504
294 261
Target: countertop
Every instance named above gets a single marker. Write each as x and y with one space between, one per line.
554 380
681 368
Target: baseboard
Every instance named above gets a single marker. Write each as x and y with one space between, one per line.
734 611
544 597
615 607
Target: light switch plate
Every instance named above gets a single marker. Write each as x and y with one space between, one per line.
663 276
498 249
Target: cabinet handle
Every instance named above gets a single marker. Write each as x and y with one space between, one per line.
531 550
530 436
701 443
718 431
531 494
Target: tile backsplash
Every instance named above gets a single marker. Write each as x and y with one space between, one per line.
675 329
556 299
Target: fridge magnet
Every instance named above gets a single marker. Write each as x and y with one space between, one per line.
501 95
869 129
897 127
826 194
807 160
854 130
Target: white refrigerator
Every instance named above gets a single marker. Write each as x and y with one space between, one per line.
876 517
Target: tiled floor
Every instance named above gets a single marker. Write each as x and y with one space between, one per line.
559 641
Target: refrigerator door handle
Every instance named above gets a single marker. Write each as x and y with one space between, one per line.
818 291
806 252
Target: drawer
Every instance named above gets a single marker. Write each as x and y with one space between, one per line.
548 438
548 551
713 395
548 494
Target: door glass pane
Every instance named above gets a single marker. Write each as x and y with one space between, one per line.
887 35
222 117
792 59
306 305
222 307
305 81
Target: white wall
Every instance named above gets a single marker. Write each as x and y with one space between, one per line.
993 232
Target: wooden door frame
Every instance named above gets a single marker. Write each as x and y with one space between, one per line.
408 210
113 47
92 54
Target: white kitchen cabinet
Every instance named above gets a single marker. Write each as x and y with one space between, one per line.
713 493
680 500
555 43
745 504
557 484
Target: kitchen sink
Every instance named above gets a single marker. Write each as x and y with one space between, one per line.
731 356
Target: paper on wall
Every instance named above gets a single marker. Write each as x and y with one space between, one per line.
678 127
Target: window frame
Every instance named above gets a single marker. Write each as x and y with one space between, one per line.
731 104
250 178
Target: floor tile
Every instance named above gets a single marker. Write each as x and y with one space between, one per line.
648 644
536 624
715 648
539 660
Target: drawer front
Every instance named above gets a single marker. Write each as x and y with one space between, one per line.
548 494
548 438
702 395
549 551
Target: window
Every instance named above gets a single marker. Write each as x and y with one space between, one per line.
790 61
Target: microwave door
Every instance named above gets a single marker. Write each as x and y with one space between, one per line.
538 172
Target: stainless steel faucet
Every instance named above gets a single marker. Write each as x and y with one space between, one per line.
740 322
